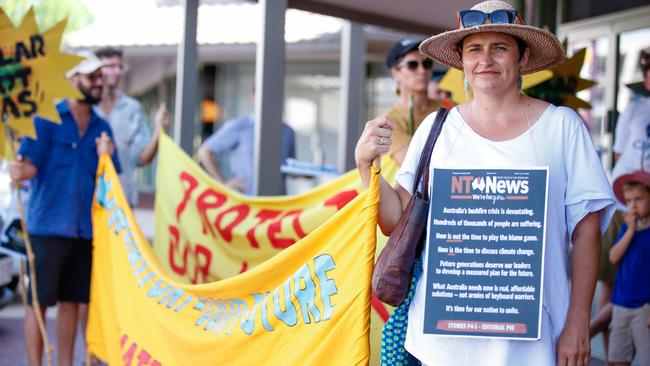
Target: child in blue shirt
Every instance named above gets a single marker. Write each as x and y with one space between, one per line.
630 332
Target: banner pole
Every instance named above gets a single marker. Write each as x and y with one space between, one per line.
21 281
30 260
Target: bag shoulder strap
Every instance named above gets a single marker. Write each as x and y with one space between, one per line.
425 158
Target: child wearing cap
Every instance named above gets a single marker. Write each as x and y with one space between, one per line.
630 332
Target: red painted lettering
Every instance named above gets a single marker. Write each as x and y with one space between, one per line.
127 357
143 358
297 227
190 186
202 260
240 212
276 227
341 199
201 255
262 216
208 200
123 340
175 249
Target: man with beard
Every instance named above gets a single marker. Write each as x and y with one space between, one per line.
61 164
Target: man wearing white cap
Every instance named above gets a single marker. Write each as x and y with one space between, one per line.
61 164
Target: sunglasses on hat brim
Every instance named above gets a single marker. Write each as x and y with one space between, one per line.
472 18
412 65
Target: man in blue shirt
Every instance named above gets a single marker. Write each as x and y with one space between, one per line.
236 137
61 164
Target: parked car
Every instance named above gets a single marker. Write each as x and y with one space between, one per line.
10 239
8 279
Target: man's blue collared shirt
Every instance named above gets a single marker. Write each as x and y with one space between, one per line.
237 137
66 163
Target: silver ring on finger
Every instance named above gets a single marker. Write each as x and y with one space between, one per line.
383 140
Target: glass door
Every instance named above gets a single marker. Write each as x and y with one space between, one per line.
594 68
613 44
631 44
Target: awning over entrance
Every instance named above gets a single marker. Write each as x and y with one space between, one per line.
418 16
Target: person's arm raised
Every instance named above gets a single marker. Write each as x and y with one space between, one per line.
162 121
373 143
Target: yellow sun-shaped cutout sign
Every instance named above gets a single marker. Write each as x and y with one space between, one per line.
454 83
32 75
558 85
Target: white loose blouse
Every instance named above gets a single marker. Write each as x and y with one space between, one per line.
577 186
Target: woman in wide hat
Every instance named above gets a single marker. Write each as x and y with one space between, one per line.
500 128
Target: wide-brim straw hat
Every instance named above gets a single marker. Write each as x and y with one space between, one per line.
639 176
546 51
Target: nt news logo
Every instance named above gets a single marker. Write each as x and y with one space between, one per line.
489 187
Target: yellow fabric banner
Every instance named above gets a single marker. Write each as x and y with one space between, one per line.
308 305
207 232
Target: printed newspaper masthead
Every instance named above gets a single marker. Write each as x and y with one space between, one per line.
484 267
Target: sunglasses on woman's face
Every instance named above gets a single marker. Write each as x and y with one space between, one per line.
413 64
472 18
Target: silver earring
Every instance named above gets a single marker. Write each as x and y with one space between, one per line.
519 83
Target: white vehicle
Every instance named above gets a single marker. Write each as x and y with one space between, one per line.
8 279
10 237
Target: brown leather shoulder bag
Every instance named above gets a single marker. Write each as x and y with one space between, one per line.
392 274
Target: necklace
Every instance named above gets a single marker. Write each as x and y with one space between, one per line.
530 133
473 108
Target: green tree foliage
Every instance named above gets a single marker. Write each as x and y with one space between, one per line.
50 12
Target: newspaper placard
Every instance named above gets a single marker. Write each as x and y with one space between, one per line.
486 250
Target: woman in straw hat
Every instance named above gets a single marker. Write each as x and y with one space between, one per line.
502 128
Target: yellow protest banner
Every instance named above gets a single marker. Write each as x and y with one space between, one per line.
308 305
207 232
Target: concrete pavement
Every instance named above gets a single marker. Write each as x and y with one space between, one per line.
12 345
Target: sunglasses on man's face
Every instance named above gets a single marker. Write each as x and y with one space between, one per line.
413 64
97 75
472 18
